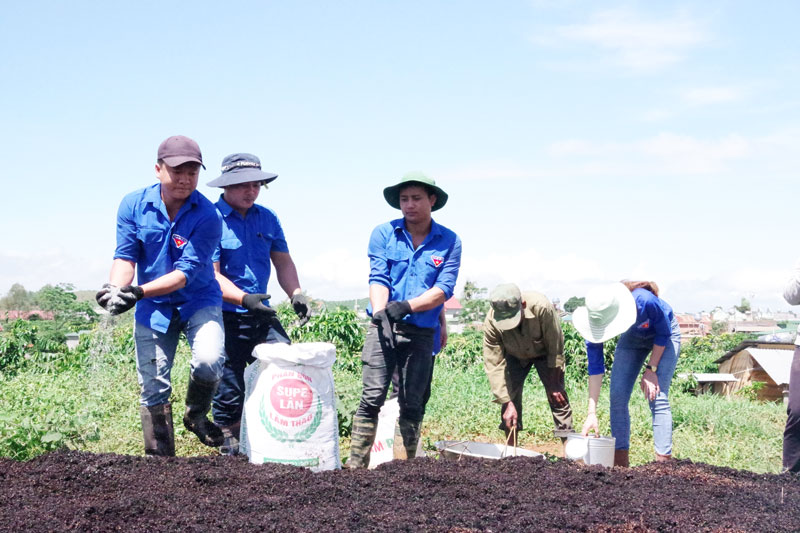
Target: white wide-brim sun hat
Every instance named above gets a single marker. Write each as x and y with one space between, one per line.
608 311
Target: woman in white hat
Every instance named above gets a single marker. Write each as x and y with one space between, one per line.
649 328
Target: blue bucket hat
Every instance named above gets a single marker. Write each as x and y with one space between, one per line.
241 168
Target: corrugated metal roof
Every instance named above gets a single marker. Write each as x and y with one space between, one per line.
776 363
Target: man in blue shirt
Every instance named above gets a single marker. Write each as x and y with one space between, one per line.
166 235
251 237
414 265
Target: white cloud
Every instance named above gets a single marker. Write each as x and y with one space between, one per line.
713 95
35 269
632 41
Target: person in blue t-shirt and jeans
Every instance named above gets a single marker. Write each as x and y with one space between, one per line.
414 265
252 240
166 234
649 328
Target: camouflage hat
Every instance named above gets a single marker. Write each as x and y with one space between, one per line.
506 302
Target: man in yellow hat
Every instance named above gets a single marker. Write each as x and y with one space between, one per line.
414 265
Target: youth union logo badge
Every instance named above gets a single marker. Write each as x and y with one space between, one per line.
179 241
437 260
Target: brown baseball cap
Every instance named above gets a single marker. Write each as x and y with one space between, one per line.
177 150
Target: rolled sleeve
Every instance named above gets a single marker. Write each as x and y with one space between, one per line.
127 242
199 250
378 263
494 362
594 353
449 273
660 323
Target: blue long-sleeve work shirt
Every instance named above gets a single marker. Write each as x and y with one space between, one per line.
158 246
407 273
653 321
244 249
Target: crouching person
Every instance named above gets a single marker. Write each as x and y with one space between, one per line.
414 264
166 234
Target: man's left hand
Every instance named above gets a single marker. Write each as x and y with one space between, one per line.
397 310
125 299
558 398
300 306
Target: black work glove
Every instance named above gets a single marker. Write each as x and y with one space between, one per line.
397 310
385 332
126 298
300 305
104 295
253 303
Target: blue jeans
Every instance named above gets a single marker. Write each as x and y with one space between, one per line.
155 353
243 332
629 358
412 358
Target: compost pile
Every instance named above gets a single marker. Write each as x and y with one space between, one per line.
87 492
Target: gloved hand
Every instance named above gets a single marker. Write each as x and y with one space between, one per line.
253 303
300 305
125 299
385 332
105 294
397 310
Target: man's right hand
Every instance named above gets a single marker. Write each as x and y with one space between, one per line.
590 424
105 294
385 331
510 415
253 303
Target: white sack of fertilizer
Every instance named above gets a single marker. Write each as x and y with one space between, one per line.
290 406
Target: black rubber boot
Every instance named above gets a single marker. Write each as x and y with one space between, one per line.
230 446
362 438
198 403
410 431
159 436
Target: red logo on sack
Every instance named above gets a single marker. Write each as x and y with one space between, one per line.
291 397
179 241
437 260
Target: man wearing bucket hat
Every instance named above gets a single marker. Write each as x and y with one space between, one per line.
414 264
166 234
649 328
521 331
252 240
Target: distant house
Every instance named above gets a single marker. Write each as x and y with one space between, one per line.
452 308
693 326
757 361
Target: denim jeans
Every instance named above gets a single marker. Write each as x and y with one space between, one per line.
155 352
629 358
412 356
243 332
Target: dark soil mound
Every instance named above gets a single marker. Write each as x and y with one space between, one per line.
81 491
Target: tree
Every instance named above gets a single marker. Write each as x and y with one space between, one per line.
743 307
17 299
474 308
573 303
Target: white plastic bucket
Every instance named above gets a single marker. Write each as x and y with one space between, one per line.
484 450
590 450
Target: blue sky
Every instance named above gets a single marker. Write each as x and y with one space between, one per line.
580 142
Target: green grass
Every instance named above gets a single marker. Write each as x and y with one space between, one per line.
94 406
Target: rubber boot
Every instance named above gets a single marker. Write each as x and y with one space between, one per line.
398 449
410 431
362 438
621 458
198 403
663 458
159 435
230 446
